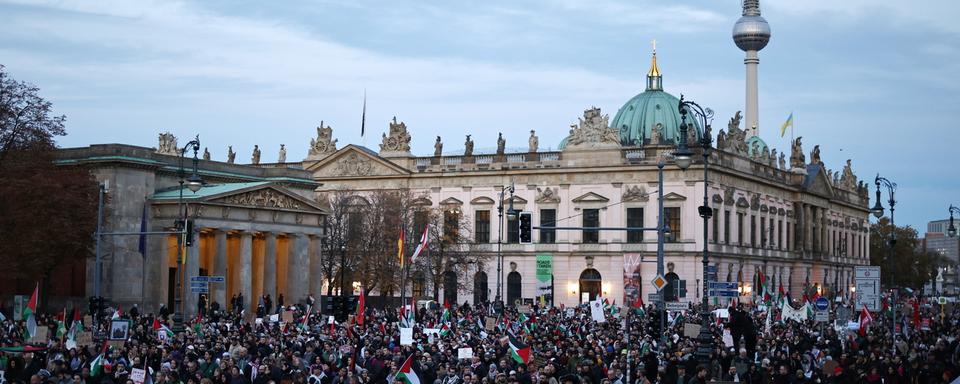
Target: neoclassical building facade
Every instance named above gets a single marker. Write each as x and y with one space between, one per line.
782 214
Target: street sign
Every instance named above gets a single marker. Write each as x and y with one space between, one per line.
199 279
727 286
653 297
216 279
822 316
724 293
822 304
867 280
659 282
194 284
203 289
943 300
677 306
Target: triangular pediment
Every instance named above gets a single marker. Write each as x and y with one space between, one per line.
482 200
422 201
590 197
674 196
817 182
354 161
261 195
515 199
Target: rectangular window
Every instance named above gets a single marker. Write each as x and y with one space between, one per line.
672 216
763 233
548 218
591 218
481 226
716 226
635 220
420 219
753 231
513 229
740 228
451 226
780 234
789 234
726 227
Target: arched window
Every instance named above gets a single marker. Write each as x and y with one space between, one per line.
480 287
513 288
590 284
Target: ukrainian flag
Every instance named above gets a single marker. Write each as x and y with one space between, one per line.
788 123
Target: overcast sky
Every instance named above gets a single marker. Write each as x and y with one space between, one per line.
875 81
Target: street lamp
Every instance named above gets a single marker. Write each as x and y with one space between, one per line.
952 230
704 117
194 182
878 212
343 279
511 214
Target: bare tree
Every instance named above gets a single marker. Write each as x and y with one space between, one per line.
450 251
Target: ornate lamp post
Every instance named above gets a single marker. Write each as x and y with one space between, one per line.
703 116
194 182
511 214
952 230
878 213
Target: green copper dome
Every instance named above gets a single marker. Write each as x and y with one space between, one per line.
652 108
761 145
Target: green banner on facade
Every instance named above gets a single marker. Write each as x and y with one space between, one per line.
544 267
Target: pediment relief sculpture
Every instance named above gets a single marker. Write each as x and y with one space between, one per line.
742 202
594 131
717 199
352 164
635 193
728 195
268 198
548 195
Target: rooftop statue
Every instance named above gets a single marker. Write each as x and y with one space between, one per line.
324 144
438 147
231 155
398 140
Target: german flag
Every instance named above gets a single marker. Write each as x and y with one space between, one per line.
519 351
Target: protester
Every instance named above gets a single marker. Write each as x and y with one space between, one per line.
524 345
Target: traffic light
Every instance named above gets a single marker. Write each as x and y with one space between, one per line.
189 234
526 227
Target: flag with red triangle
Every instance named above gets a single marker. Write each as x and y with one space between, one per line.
865 320
30 311
409 372
519 351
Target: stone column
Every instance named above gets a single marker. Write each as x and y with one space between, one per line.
316 268
270 265
246 270
807 228
824 233
297 270
192 266
218 291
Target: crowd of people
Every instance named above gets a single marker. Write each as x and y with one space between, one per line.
471 344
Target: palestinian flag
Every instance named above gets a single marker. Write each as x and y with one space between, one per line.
409 372
62 324
780 294
96 366
76 326
160 327
116 314
444 330
445 317
29 313
520 352
763 288
23 349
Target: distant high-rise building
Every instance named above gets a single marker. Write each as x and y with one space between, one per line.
937 240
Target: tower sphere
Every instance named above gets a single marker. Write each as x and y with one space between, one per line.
751 33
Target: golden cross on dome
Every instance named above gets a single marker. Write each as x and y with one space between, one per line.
654 43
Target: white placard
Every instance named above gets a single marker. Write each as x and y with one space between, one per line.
274 318
406 336
596 311
258 321
727 338
431 331
162 336
465 353
138 375
330 320
677 306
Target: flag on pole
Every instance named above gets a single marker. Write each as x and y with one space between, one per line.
305 324
96 366
116 314
865 320
400 248
408 372
76 325
519 351
30 311
62 324
788 123
160 327
361 307
422 245
363 117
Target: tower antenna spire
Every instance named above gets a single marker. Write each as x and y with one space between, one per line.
751 33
